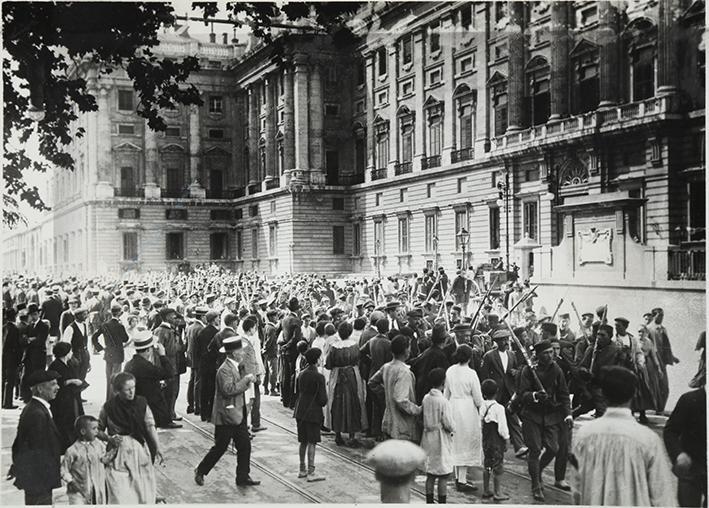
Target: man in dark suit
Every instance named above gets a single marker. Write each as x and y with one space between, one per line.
77 334
148 376
67 316
114 337
206 362
229 415
292 334
500 365
433 358
37 448
52 309
378 351
11 357
36 352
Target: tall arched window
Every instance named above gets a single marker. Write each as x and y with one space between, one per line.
465 104
406 134
262 158
538 97
585 93
279 153
360 148
381 149
497 86
641 46
434 123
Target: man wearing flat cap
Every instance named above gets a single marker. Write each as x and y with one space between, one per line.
37 448
633 357
565 332
544 410
605 353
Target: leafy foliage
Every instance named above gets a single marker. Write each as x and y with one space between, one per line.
45 43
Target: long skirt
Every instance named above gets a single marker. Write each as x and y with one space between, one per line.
346 409
130 477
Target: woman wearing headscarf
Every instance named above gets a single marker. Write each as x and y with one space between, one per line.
345 387
463 390
127 424
66 406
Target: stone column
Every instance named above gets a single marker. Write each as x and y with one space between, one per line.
515 67
369 68
105 185
449 110
300 91
196 188
483 113
151 186
233 178
608 53
559 60
667 58
315 134
419 99
288 121
270 134
254 130
393 71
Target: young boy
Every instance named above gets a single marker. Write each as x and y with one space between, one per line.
437 440
311 398
495 436
83 465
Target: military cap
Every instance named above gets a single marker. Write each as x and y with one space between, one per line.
500 333
542 346
565 315
549 328
41 376
622 321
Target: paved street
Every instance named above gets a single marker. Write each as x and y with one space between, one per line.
274 462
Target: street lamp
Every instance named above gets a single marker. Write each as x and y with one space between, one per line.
435 253
377 245
504 194
463 237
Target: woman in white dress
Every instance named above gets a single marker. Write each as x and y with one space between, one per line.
463 390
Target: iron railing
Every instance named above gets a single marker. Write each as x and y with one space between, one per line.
687 264
433 161
464 154
378 174
402 168
127 192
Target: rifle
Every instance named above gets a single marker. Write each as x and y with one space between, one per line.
482 302
557 309
524 298
527 359
581 327
433 287
595 343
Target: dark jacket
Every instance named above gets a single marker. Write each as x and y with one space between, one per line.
52 310
202 358
66 406
36 352
292 334
36 450
378 350
312 396
115 337
216 344
551 411
505 379
147 384
686 430
270 347
12 348
433 358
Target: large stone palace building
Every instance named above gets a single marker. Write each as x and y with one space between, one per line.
566 137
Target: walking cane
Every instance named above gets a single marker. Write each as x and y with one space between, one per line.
557 309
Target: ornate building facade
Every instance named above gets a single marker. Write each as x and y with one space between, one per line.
567 137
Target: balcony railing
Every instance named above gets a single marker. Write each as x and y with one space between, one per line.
240 192
687 264
254 188
433 161
464 154
273 184
352 179
402 168
378 174
174 193
124 192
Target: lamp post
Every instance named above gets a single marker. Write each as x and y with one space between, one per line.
377 246
463 237
435 253
504 194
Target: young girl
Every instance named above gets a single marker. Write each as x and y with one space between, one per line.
83 466
495 436
437 440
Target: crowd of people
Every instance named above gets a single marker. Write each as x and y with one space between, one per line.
443 363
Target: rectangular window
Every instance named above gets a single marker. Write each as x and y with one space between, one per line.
500 107
253 211
129 213
382 97
407 88
128 129
461 183
272 240
338 203
531 219
239 214
219 246
360 155
215 104
254 243
466 65
173 132
461 222
239 244
361 72
434 77
382 150
466 17
338 239
356 239
127 181
382 61
407 139
130 246
407 50
357 203
466 125
359 107
175 183
531 174
429 190
643 74
434 38
331 79
378 199
403 235
175 246
220 214
435 134
175 214
125 100
430 232
402 195
216 133
379 238
332 110
494 222
588 16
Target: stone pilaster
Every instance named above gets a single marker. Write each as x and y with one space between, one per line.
288 121
559 60
152 188
667 58
196 188
104 186
449 112
484 109
608 53
419 98
270 133
300 90
254 129
515 66
237 139
369 76
316 119
393 71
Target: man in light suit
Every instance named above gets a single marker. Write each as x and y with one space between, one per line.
229 415
500 365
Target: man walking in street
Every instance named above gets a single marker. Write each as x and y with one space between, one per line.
77 334
270 353
206 362
193 388
115 338
167 335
